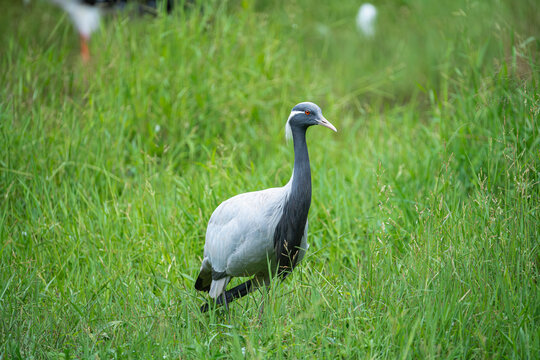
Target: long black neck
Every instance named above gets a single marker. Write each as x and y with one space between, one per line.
291 226
301 179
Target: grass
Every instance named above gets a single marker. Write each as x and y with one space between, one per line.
424 223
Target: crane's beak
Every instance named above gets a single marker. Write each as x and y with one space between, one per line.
326 123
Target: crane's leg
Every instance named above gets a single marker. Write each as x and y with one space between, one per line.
85 50
239 291
234 293
266 281
224 296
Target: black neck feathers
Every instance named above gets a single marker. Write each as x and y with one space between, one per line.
290 229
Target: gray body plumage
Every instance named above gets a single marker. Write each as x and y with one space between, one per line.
239 237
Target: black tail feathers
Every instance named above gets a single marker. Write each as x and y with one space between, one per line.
200 284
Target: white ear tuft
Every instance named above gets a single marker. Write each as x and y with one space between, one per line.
288 132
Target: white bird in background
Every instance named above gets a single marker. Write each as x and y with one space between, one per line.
257 233
365 19
86 15
86 18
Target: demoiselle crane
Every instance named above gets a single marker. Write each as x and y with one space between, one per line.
262 233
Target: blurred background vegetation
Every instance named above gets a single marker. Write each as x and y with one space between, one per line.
424 220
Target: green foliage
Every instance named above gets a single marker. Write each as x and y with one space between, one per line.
424 223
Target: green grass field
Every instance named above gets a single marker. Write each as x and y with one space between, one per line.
424 224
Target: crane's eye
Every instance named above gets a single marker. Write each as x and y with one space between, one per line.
307 112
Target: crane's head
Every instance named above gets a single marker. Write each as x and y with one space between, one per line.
304 115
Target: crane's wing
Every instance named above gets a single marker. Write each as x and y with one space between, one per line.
239 237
